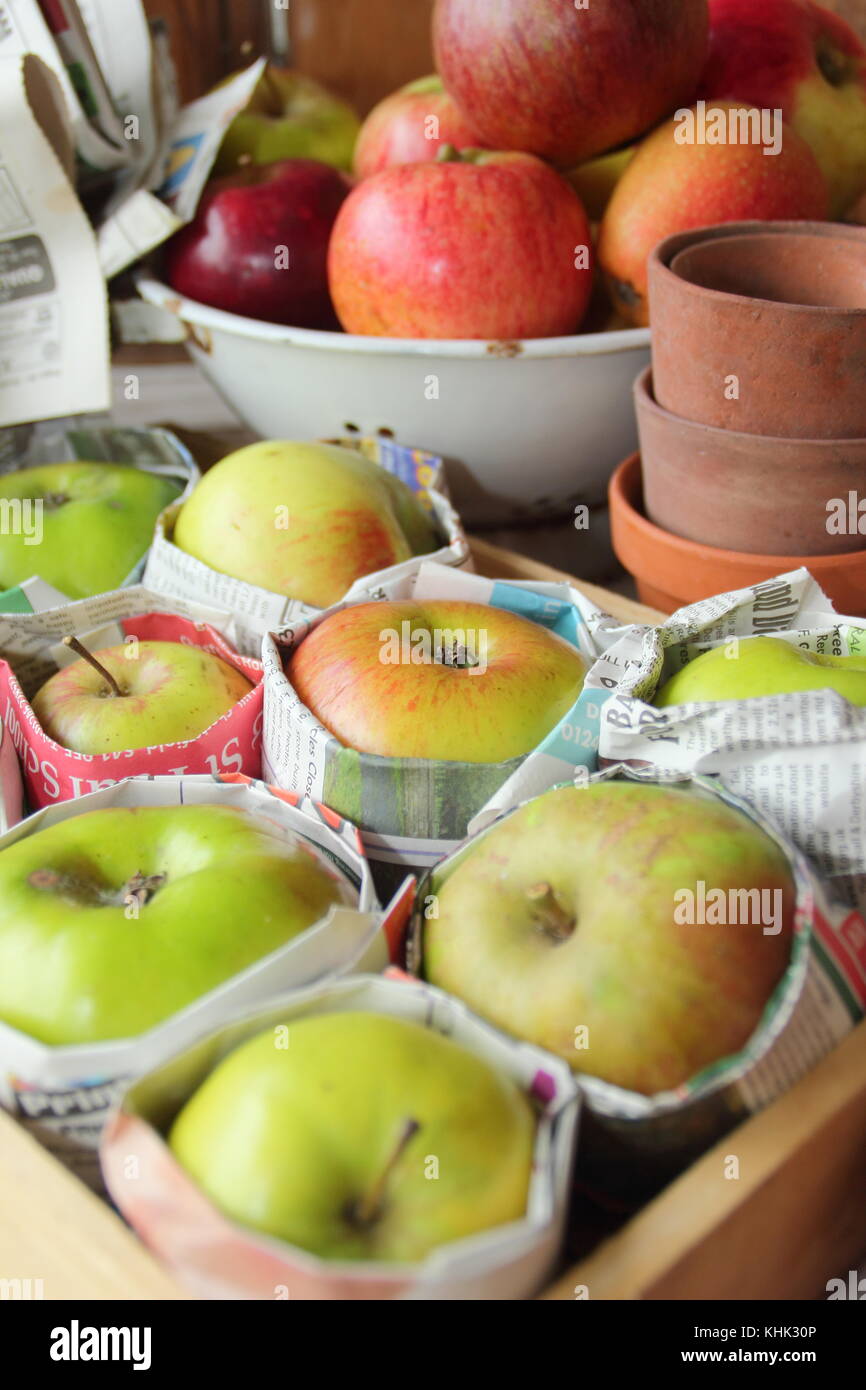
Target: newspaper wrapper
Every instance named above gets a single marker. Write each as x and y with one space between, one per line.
257 611
632 1144
11 783
62 441
31 644
218 1259
63 1094
799 757
413 811
54 342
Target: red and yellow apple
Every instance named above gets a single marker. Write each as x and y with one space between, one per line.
799 58
410 127
476 245
637 931
136 696
443 679
302 519
676 183
569 81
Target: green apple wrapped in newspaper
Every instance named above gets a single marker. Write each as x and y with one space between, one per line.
409 713
766 688
284 528
365 1139
79 507
134 917
662 938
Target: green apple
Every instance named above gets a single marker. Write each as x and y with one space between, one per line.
289 116
82 527
111 921
454 681
305 520
136 696
595 181
763 666
568 926
330 1142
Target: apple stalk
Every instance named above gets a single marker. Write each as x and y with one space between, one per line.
548 910
369 1208
80 650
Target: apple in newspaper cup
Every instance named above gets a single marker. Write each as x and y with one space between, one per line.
451 1185
139 916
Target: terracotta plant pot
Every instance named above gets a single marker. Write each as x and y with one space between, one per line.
746 492
671 572
761 327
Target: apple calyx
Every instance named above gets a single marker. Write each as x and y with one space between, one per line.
456 655
548 911
137 891
53 501
366 1211
80 650
835 67
140 889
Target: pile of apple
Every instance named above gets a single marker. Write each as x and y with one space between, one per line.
470 214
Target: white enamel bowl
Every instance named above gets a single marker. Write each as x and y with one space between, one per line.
529 429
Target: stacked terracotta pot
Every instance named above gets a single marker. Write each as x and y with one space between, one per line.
752 418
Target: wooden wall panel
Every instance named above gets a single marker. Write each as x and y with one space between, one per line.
362 48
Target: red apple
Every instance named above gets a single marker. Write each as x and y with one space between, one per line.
673 184
568 81
477 245
258 244
795 56
443 679
409 127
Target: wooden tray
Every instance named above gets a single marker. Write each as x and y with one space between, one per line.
795 1217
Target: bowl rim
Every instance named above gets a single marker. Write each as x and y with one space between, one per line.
155 291
622 485
666 252
644 398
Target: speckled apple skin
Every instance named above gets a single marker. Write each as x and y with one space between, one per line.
462 250
564 82
671 187
171 692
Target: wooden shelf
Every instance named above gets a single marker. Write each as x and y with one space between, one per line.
794 1218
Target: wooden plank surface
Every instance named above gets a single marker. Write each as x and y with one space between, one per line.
495 563
794 1218
53 1229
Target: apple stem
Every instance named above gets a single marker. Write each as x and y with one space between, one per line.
80 650
367 1210
550 912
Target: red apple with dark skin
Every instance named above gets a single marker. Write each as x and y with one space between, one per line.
569 81
476 245
797 57
258 244
410 127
